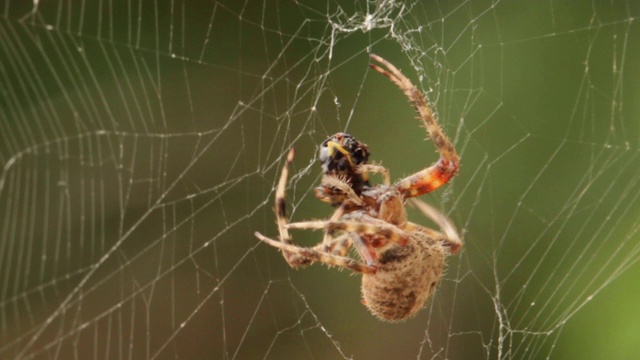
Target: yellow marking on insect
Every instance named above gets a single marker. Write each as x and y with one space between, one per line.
332 145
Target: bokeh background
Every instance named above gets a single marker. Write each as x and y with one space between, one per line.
140 142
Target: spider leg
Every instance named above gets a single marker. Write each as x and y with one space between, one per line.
364 250
375 169
327 237
340 246
364 225
319 256
446 167
281 204
377 233
427 180
293 259
342 186
449 234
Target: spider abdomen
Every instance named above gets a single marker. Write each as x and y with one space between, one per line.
407 276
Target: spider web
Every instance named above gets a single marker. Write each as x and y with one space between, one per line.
141 141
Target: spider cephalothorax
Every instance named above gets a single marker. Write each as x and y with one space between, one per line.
403 261
340 155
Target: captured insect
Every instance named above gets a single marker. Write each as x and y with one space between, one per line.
342 157
401 261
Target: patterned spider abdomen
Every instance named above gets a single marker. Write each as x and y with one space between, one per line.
407 276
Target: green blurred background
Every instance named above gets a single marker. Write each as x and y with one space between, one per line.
141 142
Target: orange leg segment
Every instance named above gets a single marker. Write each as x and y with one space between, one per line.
427 180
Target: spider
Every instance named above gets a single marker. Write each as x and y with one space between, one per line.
402 262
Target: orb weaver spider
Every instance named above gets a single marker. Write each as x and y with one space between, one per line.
403 261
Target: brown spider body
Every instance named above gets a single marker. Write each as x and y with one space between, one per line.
407 276
408 268
403 261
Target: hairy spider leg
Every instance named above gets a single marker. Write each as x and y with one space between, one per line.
330 180
281 204
361 224
449 231
319 256
327 239
293 259
365 251
365 225
448 234
446 167
375 169
341 244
